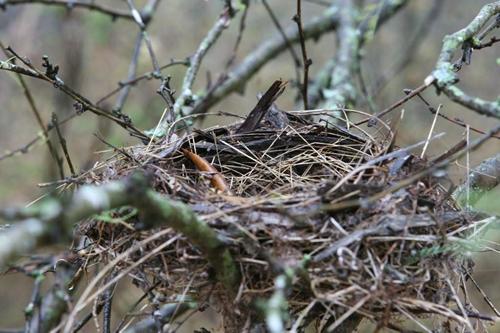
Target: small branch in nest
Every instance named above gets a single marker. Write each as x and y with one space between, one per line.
263 105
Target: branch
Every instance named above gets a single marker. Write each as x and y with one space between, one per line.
160 317
482 179
55 302
445 71
70 4
268 49
82 104
335 81
55 220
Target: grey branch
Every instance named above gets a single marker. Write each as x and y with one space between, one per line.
54 221
482 179
267 50
444 72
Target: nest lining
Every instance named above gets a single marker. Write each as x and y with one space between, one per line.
392 256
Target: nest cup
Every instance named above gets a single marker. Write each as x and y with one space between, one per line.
305 201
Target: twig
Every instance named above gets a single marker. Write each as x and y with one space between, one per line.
82 105
64 147
289 45
306 61
455 121
38 117
195 61
70 4
431 130
239 38
413 93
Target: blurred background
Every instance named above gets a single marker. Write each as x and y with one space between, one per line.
94 52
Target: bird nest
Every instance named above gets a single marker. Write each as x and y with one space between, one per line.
328 208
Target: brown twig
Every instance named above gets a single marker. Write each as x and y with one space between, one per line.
397 104
306 61
289 45
64 147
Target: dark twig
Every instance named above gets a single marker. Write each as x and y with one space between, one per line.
70 4
397 104
267 50
82 104
64 146
38 116
146 76
455 120
306 61
289 45
239 38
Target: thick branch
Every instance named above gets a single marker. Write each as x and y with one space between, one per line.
267 50
444 73
55 219
335 82
482 179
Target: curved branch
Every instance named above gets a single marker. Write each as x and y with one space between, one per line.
53 223
445 71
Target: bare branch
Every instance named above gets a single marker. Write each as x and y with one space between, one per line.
267 50
70 4
444 72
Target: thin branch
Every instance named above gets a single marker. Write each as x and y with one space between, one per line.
38 117
70 4
195 61
64 147
306 62
82 103
289 45
132 72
